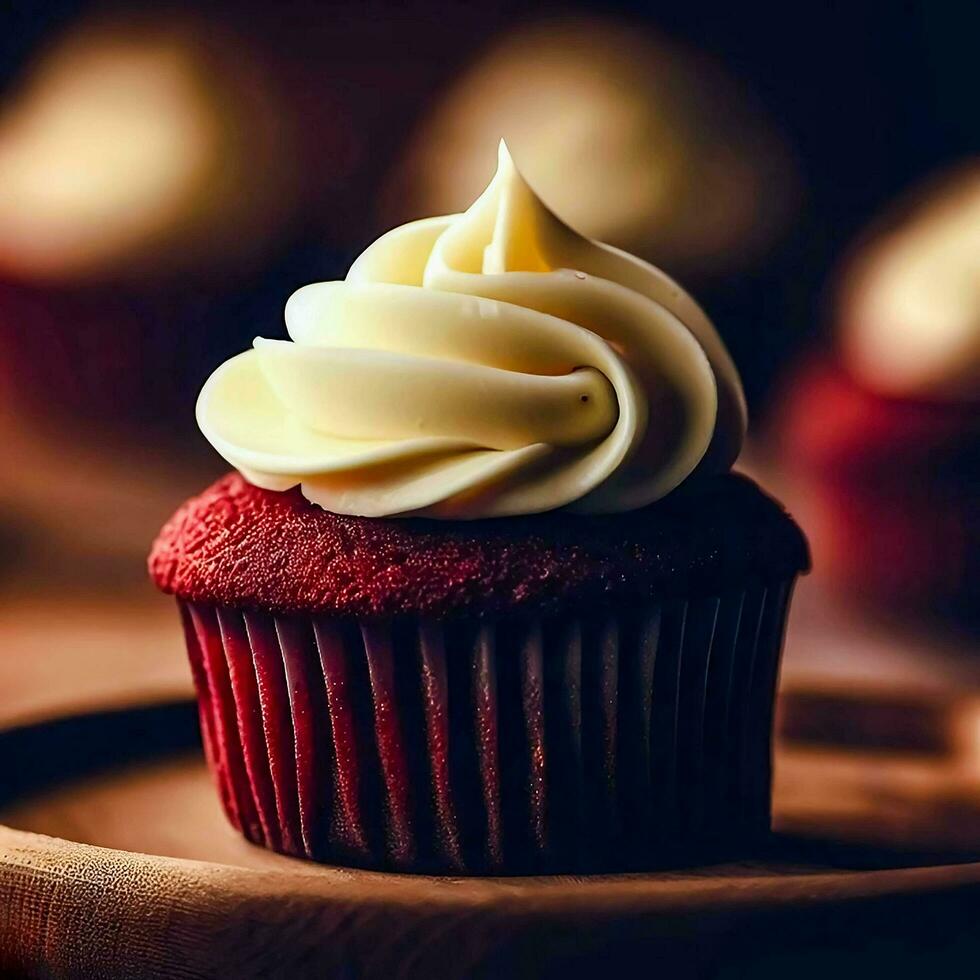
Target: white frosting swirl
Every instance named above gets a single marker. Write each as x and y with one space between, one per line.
478 365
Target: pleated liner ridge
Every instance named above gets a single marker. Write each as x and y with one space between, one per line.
619 741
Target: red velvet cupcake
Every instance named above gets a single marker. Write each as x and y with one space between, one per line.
484 597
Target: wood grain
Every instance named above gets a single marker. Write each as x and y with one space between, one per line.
73 910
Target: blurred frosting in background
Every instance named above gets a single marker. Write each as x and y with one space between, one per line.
670 157
910 306
145 143
141 146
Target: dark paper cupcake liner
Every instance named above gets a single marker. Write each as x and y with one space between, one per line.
627 740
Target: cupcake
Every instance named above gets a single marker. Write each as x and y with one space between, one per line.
482 596
890 463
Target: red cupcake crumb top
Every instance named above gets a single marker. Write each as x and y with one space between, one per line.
238 545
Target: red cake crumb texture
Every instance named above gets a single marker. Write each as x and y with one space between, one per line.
238 545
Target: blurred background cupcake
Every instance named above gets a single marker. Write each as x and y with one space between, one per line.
885 432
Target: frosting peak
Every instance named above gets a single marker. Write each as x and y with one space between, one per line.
478 365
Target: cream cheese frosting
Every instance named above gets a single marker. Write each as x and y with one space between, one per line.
483 364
